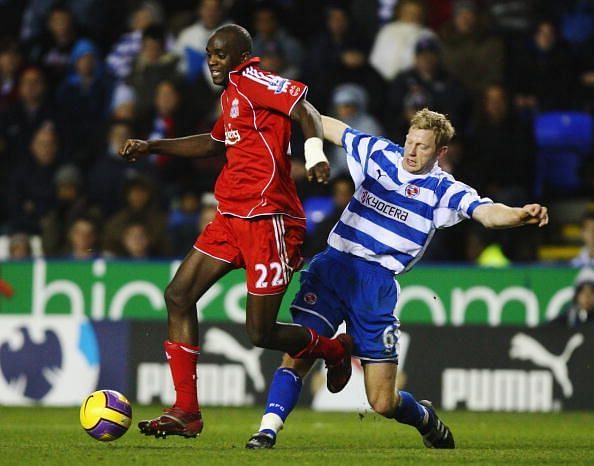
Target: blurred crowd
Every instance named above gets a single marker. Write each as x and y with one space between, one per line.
79 77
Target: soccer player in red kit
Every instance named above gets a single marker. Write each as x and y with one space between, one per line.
260 223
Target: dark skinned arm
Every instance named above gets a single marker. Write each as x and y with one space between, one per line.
311 124
199 145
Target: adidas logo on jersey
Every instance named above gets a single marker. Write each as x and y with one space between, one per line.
271 81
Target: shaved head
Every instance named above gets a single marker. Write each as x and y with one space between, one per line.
227 48
237 37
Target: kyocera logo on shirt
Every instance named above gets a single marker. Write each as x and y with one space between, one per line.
390 210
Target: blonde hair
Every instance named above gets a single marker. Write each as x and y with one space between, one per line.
442 127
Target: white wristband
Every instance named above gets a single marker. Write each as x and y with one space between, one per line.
314 152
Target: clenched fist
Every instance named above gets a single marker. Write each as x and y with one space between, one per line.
134 149
535 214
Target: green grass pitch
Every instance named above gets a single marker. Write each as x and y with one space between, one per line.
52 437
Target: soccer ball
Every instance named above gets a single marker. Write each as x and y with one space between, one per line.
105 415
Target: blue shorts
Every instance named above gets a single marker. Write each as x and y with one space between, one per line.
339 287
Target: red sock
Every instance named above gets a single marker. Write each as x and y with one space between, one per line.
182 362
321 347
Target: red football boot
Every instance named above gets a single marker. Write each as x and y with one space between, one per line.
339 372
174 421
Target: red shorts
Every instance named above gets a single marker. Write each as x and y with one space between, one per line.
268 247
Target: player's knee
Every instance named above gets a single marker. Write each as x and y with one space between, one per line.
175 298
258 336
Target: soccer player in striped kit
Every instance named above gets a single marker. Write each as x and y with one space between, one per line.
260 223
402 197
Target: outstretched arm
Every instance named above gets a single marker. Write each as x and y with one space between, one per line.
503 216
333 129
316 163
199 145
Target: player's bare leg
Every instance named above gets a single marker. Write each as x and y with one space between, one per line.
380 386
197 273
283 393
298 341
263 329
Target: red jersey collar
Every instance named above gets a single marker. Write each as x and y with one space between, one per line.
245 64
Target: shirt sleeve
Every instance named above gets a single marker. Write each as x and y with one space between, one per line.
218 130
270 91
457 202
359 147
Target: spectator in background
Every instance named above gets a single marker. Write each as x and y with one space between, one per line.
470 53
339 55
208 211
182 224
82 102
109 174
136 241
91 14
586 255
120 59
123 102
10 63
17 126
271 39
140 207
273 59
426 84
173 118
342 192
30 193
498 159
545 77
151 66
19 247
349 103
34 17
191 43
577 28
500 150
52 50
393 50
484 249
202 95
581 309
27 114
370 15
513 18
366 18
71 203
438 12
83 239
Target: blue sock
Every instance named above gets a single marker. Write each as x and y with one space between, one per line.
282 397
410 412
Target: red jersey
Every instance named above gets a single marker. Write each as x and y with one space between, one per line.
255 127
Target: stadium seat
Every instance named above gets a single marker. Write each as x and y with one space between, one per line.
317 208
563 140
557 252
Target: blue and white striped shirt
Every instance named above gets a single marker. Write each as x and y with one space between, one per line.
393 213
